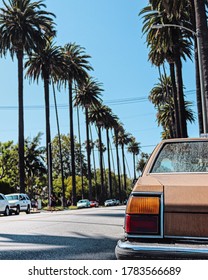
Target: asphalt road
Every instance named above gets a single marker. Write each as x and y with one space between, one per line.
84 234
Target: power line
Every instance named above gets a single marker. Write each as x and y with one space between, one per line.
122 101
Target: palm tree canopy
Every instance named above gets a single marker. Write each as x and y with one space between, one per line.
48 61
98 114
89 93
24 25
134 147
76 61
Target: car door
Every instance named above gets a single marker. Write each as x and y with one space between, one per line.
23 202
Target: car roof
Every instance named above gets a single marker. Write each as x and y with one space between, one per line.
184 140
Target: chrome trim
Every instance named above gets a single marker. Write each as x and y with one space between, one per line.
128 249
192 238
161 218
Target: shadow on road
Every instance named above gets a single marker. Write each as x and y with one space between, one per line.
51 247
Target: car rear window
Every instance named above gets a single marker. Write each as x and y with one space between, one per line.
182 157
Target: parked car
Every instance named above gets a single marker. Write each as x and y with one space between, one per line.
4 205
19 202
109 202
94 203
167 211
83 203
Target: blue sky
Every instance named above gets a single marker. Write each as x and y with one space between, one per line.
110 32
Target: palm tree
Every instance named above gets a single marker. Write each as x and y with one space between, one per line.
171 44
47 63
77 66
109 123
123 139
23 27
164 117
88 95
201 27
97 115
134 148
117 128
162 98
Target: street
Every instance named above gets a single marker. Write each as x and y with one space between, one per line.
84 234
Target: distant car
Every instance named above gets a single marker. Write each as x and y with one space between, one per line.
94 203
109 202
83 203
167 211
125 201
4 205
19 202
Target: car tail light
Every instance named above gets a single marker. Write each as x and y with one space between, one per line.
143 215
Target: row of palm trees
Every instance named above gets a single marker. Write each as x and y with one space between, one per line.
27 31
168 47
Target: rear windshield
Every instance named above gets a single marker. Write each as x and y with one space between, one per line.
182 157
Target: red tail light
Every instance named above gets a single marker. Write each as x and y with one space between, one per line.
143 215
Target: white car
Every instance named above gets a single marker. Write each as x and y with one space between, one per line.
19 202
109 202
4 205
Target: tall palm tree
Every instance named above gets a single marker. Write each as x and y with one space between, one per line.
88 95
201 28
134 148
77 67
171 44
24 25
117 128
124 138
47 63
109 123
97 115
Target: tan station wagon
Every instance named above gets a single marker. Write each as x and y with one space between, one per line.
167 212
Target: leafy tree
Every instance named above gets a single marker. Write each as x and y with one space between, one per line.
66 156
34 163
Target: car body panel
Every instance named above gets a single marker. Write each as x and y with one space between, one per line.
184 196
83 203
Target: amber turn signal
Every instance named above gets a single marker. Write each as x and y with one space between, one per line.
143 205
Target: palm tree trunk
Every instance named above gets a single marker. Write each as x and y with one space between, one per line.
88 154
181 103
80 153
124 166
71 121
60 149
174 93
109 163
118 165
21 122
198 90
48 134
101 165
201 28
